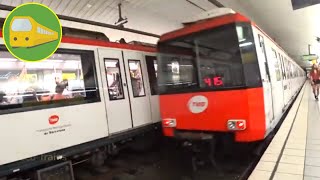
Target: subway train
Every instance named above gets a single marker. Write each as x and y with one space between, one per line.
91 95
223 77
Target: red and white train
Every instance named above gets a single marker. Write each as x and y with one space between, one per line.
224 75
89 94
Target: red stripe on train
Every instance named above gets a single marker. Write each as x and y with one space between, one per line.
72 40
222 106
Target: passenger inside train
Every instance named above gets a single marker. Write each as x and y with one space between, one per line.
49 80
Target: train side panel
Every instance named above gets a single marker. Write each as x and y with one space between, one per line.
265 77
35 130
283 78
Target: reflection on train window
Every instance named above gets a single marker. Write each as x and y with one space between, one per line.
67 78
115 88
277 65
283 68
136 78
152 68
21 25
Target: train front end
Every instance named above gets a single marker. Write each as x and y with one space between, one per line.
209 81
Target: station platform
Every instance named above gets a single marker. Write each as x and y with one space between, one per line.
294 153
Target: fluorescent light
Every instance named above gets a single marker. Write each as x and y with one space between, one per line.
246 44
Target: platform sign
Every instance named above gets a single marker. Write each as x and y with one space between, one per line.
299 4
310 57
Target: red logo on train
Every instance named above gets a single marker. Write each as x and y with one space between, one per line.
53 119
198 104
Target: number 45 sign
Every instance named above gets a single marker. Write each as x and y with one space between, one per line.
215 81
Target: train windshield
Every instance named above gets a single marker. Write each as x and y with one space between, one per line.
217 59
21 25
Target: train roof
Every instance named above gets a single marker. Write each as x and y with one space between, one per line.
93 38
203 25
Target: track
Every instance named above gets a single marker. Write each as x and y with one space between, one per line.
168 163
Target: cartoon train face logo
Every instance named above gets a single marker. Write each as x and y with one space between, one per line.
26 32
32 32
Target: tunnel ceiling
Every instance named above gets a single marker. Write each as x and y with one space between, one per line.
141 14
294 30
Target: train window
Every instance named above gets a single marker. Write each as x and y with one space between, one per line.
152 68
220 68
290 70
66 78
282 67
276 65
136 78
204 61
114 81
21 24
287 66
274 53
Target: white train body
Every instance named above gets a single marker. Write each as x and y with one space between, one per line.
101 113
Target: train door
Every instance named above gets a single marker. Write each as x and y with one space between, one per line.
137 85
288 87
116 94
266 80
151 61
276 82
285 84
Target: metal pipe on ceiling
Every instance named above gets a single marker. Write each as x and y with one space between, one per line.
74 19
194 4
216 3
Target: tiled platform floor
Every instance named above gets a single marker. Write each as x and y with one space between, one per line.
294 153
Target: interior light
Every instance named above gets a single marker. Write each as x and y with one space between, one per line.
246 44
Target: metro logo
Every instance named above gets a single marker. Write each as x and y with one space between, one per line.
53 119
197 104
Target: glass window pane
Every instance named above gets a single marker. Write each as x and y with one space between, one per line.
63 79
152 68
114 81
220 58
21 25
136 78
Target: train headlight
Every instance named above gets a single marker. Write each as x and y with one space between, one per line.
236 125
169 122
